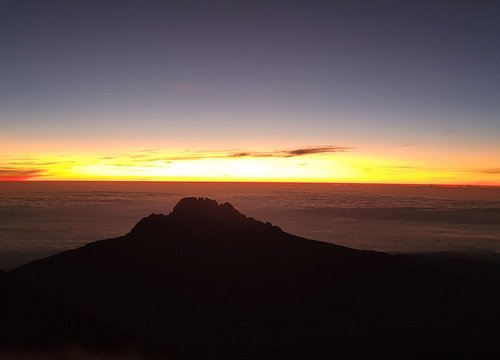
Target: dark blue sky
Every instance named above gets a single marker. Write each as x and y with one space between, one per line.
294 72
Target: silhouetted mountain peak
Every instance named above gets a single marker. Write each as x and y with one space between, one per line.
197 208
194 215
206 281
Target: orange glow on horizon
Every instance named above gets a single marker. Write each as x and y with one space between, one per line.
310 164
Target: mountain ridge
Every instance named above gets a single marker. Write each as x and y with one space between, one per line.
199 215
205 280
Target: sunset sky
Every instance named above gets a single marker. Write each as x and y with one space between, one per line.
328 91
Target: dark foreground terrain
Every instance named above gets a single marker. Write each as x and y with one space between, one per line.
207 282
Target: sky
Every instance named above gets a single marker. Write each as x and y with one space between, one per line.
314 91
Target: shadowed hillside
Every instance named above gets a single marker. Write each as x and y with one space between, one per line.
208 282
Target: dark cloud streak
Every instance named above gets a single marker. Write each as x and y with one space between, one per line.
490 171
155 156
292 153
10 173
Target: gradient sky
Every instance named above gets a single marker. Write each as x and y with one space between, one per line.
342 91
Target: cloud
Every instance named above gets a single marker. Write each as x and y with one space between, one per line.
18 169
147 163
403 167
417 168
149 157
490 171
12 174
153 158
316 150
293 152
33 163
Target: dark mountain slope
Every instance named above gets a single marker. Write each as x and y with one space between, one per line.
33 322
206 281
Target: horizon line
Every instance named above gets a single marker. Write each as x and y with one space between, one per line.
254 182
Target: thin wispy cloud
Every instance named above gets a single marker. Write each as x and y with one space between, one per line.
31 168
293 152
418 168
490 171
32 163
155 157
11 173
409 168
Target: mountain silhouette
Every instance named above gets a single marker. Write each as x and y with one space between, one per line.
206 281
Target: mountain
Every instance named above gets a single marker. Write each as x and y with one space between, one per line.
34 323
206 281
